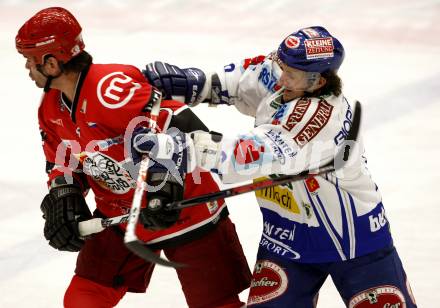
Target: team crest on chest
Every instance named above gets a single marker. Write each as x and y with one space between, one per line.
116 90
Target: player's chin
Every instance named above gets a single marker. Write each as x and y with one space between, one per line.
39 84
291 94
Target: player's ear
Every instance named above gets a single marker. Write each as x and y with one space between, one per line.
52 66
321 82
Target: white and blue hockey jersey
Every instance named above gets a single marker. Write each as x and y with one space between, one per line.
328 218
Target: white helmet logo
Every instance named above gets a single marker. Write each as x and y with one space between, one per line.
292 41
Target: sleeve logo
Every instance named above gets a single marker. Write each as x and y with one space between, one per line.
248 151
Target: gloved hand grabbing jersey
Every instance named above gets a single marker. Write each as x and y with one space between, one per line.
175 82
177 152
171 152
63 207
189 83
169 163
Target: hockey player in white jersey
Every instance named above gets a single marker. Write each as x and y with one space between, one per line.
325 225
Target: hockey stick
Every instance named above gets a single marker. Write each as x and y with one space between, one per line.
131 240
97 224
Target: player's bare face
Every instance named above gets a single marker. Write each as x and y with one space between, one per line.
34 74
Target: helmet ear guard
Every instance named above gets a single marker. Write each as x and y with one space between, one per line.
51 31
311 49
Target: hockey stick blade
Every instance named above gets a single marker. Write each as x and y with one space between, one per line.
341 158
148 255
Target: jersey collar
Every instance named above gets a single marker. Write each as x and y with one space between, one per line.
71 106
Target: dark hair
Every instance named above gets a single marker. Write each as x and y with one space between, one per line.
78 63
333 85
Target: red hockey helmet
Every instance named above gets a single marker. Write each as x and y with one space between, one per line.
53 31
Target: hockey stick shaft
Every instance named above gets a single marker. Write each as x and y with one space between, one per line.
96 225
131 240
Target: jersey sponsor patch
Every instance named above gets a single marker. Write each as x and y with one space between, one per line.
107 173
269 78
116 90
279 232
346 125
318 120
278 248
312 184
279 145
385 296
297 114
318 48
283 197
279 114
269 281
212 206
308 209
377 220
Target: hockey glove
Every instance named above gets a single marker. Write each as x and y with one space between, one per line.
170 152
175 82
162 189
62 209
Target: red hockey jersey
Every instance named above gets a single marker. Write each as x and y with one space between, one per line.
85 138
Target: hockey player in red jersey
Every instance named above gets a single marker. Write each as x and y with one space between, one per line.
83 117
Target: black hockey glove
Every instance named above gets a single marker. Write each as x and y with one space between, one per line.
174 81
62 209
162 190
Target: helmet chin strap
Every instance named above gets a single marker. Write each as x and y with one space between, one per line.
47 84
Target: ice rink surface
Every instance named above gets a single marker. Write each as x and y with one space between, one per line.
392 66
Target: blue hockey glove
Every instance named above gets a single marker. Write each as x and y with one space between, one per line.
168 152
175 82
